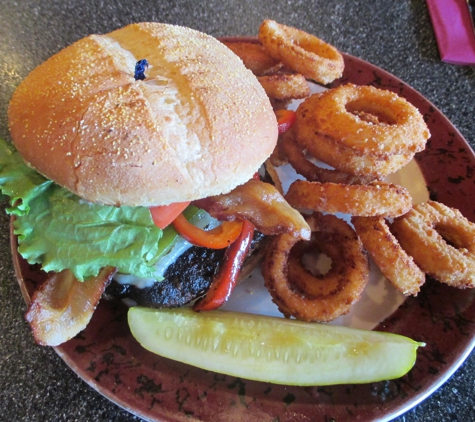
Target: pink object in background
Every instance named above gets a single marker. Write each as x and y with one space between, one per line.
453 31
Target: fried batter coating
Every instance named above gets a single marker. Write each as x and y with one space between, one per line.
395 264
441 241
324 297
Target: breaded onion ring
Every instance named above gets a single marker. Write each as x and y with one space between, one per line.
376 199
317 297
301 52
346 160
254 57
296 156
337 154
395 264
285 86
441 241
339 114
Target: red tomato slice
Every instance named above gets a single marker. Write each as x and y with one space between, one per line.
163 215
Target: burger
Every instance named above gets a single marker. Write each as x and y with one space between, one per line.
118 138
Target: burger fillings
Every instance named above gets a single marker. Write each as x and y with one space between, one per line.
196 127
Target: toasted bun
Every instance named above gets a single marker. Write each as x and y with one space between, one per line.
199 124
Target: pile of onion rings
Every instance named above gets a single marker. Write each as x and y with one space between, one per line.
286 58
363 134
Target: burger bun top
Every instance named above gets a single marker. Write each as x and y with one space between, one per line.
198 125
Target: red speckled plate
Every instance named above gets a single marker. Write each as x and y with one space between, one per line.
107 357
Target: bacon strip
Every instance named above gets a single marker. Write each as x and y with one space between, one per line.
63 306
262 205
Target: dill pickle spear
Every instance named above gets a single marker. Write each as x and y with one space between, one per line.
270 349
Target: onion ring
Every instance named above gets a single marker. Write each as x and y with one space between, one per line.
285 86
395 264
376 199
301 52
254 57
346 160
337 114
341 285
296 156
441 241
337 154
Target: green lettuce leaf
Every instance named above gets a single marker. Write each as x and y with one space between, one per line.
18 181
59 230
63 231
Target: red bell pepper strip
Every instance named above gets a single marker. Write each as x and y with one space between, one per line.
218 238
225 280
285 119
